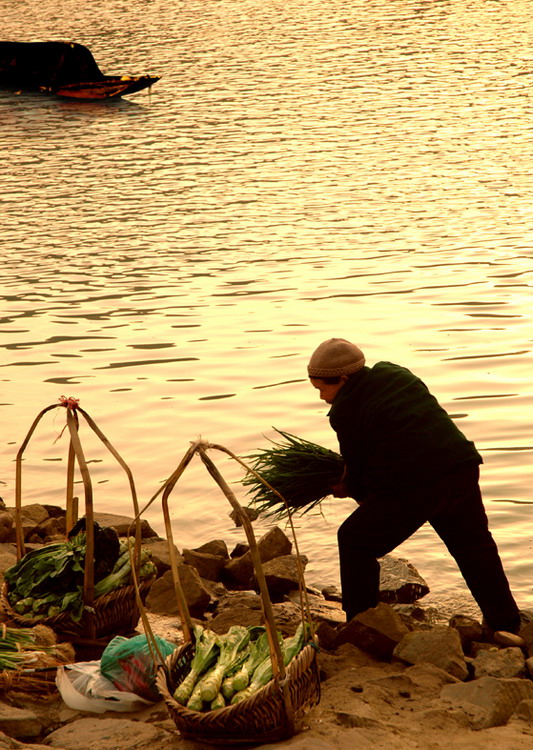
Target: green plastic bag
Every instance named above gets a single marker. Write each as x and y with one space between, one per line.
128 663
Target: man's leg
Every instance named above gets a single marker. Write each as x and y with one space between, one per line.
461 522
377 527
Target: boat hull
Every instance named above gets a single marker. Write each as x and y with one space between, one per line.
111 88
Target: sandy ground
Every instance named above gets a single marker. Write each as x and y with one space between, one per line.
365 704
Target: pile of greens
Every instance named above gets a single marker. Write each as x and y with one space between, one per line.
302 472
228 669
49 580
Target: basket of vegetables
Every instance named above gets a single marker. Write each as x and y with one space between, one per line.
250 685
91 586
46 586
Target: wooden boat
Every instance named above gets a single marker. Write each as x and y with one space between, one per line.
64 69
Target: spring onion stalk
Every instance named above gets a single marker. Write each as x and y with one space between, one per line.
205 655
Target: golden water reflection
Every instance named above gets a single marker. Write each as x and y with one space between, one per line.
358 169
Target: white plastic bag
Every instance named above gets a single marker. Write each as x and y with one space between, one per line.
84 688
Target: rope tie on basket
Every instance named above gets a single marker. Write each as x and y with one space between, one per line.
69 402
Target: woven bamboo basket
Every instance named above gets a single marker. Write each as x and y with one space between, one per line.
267 716
277 710
115 613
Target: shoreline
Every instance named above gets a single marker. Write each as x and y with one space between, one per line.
397 677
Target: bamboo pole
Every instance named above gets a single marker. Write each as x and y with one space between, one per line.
71 514
183 609
169 486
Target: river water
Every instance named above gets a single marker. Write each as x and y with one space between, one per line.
302 170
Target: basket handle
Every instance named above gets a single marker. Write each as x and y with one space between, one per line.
200 446
75 453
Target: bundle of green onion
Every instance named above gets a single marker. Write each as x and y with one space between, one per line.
13 643
302 472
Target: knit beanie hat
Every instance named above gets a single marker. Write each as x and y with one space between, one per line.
335 357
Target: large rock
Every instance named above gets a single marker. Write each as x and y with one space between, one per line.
8 557
31 517
19 722
524 711
53 529
489 701
240 570
377 631
123 524
161 556
251 513
282 573
245 608
322 610
214 547
208 566
273 544
7 531
504 662
470 630
400 582
527 634
237 608
162 598
440 646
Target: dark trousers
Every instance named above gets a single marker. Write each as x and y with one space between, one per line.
454 507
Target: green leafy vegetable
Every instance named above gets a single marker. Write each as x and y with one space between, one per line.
49 580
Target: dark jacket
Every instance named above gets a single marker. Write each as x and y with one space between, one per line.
393 433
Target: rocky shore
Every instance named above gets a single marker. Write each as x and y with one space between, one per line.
398 676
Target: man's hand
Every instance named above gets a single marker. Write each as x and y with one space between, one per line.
339 488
